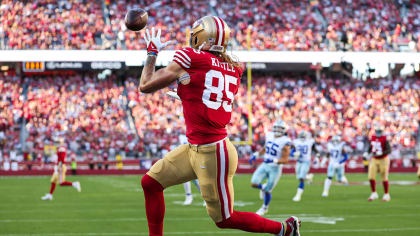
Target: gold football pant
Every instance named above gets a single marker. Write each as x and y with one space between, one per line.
379 165
59 177
213 165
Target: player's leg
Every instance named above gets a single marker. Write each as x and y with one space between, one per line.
188 194
63 181
216 184
373 169
328 180
258 176
174 168
302 170
341 178
54 182
273 177
418 172
384 171
197 184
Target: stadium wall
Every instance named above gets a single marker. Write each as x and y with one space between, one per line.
138 57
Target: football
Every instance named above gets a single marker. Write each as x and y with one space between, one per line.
136 19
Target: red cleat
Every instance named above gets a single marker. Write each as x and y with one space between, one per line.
292 226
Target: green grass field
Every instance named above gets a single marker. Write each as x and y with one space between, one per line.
114 205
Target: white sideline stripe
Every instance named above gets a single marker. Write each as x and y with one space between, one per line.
221 232
99 220
178 218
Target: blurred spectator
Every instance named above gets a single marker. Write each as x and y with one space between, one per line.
326 25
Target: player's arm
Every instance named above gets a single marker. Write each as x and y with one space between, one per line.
151 81
345 157
255 155
387 148
294 152
285 152
366 154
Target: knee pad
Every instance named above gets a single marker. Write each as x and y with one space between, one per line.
150 184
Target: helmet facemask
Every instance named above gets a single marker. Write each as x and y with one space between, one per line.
279 130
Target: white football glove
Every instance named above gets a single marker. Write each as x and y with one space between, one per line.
154 45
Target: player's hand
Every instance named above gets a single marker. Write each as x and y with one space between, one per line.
296 154
154 45
378 153
253 159
365 156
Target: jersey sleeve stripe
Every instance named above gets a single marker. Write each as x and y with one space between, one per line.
219 31
182 59
181 63
184 56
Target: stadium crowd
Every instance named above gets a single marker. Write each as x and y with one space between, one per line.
355 25
93 116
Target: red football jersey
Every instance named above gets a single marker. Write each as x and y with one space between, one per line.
207 93
378 145
61 154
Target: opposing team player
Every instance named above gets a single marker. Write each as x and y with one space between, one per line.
302 149
338 157
276 153
379 149
187 185
59 175
207 79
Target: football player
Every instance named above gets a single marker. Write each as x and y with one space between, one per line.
59 174
418 172
276 153
302 150
187 185
378 149
207 80
338 157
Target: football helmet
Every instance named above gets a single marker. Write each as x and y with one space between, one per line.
378 130
210 33
279 128
336 139
302 135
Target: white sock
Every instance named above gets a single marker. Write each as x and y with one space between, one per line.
344 180
187 187
327 185
299 191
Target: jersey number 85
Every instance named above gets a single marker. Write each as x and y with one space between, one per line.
223 83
